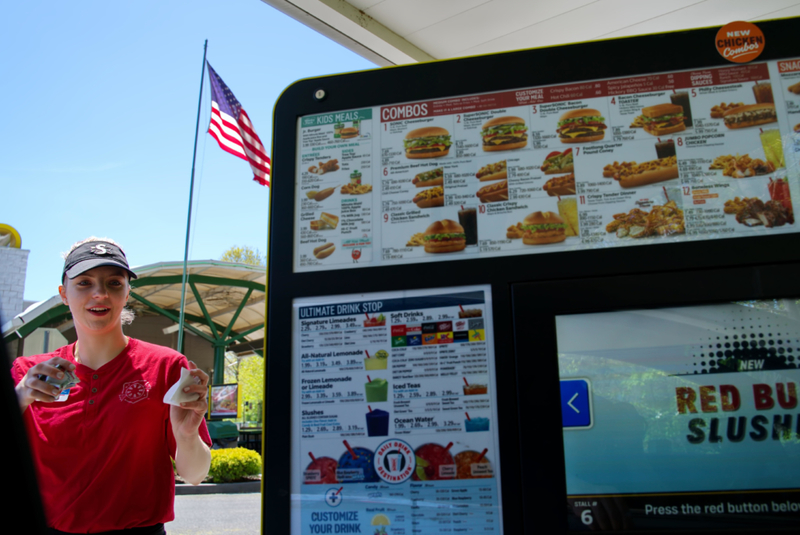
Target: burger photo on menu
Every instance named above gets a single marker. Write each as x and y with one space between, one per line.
581 126
663 119
427 142
445 236
750 115
558 162
560 185
349 132
504 133
429 198
434 177
493 171
543 227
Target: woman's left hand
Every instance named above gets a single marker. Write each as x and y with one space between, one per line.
186 418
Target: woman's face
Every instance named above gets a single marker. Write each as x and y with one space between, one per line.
96 298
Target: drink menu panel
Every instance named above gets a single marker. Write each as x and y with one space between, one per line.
661 158
394 414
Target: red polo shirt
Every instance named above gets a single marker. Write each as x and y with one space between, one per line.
103 455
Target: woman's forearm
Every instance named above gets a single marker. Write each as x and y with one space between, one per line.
192 459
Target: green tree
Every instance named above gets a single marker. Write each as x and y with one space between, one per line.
243 255
231 367
251 377
248 372
251 380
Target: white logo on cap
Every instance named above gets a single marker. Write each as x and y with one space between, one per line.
99 249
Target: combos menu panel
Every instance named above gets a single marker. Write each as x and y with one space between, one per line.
394 414
662 158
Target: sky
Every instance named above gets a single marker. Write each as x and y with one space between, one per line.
100 114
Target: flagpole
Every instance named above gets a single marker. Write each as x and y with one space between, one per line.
191 193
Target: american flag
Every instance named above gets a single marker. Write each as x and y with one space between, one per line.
234 132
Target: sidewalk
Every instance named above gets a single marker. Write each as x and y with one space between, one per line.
218 514
184 489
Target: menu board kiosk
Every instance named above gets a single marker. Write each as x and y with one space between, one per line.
492 280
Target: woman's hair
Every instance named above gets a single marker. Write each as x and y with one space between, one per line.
127 315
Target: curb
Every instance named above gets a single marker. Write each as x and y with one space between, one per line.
183 489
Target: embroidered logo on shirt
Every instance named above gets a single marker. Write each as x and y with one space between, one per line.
135 391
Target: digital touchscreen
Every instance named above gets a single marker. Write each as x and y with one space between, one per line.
682 417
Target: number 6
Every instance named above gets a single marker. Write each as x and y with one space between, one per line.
586 516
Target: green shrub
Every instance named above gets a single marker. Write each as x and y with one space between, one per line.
232 464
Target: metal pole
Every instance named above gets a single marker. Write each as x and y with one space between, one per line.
191 193
219 364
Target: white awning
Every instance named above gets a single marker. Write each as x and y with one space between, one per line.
394 32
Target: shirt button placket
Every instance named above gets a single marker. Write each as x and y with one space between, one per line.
93 397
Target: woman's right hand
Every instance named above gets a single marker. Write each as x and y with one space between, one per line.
31 388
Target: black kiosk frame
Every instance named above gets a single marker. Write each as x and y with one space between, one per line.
533 490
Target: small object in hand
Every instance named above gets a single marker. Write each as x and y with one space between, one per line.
175 395
69 380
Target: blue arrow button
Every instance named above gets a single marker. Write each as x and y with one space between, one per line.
576 407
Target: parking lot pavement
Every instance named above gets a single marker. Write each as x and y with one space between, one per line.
213 514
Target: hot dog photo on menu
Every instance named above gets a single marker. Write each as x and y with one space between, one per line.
637 164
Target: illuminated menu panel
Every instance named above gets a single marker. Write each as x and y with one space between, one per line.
662 158
394 414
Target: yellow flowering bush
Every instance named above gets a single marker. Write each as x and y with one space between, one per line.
232 464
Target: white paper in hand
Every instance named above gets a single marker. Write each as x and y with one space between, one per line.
176 395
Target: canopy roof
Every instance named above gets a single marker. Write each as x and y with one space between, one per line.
224 301
228 296
393 32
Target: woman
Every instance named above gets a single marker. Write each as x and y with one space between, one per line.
102 448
